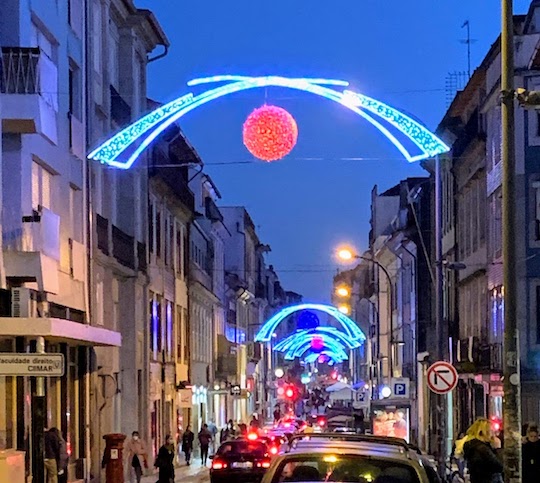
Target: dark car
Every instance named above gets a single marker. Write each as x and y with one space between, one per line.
240 461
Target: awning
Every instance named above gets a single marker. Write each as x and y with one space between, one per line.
59 330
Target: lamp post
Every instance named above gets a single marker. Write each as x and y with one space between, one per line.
347 254
511 361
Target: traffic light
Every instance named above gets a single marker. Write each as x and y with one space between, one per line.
289 393
496 424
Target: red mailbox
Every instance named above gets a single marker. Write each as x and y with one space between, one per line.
113 460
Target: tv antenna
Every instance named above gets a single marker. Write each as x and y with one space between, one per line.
468 41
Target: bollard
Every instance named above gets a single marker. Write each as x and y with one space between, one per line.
113 460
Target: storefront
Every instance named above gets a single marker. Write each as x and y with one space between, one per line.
64 403
393 420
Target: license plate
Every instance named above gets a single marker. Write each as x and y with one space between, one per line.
242 466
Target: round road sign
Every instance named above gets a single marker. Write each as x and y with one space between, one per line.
442 377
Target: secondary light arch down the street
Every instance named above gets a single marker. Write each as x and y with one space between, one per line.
324 333
123 149
349 326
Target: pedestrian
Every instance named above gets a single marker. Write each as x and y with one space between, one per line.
165 461
531 456
136 457
187 444
205 438
51 443
213 431
480 453
63 460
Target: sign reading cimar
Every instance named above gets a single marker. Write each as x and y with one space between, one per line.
25 364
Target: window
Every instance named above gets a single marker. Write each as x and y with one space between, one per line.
169 331
114 56
75 212
153 319
75 90
39 39
98 312
97 33
171 242
538 314
179 251
151 227
159 324
158 233
41 186
116 303
179 334
185 335
536 188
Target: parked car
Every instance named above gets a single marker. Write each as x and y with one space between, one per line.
240 460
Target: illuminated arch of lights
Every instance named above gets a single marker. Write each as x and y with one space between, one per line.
313 356
123 149
305 343
349 326
325 333
300 349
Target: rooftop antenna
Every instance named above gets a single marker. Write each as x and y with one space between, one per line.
468 41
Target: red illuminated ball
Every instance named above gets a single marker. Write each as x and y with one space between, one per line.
270 133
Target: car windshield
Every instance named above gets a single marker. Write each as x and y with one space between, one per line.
343 468
231 448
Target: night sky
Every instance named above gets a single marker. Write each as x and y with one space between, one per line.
396 51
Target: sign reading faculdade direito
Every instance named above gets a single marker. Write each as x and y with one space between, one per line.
24 364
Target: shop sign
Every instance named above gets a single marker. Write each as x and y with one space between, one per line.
25 364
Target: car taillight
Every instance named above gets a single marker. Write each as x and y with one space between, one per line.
322 422
252 436
273 450
263 464
218 465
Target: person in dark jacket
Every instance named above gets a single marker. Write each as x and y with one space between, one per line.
205 438
51 442
187 444
480 453
63 459
531 456
165 461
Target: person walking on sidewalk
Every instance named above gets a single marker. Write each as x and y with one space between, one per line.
52 455
205 438
165 461
480 453
187 444
136 457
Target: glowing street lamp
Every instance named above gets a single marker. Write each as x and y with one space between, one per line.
279 373
344 309
343 291
345 254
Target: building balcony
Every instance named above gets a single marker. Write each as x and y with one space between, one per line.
123 247
32 253
28 92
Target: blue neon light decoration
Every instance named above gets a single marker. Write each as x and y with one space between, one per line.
350 328
133 140
312 357
325 333
300 349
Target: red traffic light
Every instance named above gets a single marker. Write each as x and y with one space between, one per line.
289 392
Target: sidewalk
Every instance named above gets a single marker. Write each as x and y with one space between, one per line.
194 472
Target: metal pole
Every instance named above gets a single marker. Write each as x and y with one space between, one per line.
440 330
39 422
511 362
391 310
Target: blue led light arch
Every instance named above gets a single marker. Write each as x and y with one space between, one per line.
311 357
324 333
133 140
349 326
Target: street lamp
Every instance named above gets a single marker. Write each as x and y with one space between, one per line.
344 309
279 373
343 291
347 254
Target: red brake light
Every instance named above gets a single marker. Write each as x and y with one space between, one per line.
273 450
218 465
252 436
322 422
266 464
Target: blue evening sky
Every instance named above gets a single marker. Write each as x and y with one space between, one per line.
397 51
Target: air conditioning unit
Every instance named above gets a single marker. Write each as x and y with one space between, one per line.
24 302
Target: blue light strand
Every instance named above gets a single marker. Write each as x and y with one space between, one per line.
236 78
160 119
269 327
